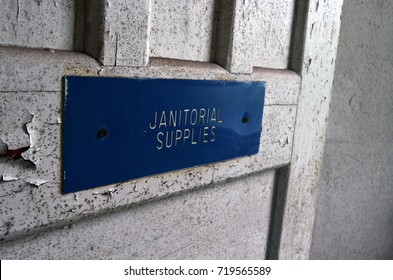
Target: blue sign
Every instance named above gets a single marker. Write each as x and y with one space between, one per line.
117 129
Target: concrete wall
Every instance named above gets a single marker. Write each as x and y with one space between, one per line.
208 215
38 24
221 210
209 223
354 217
187 29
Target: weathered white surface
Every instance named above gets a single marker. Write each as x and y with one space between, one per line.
272 33
30 197
317 69
34 200
238 34
117 31
23 69
37 24
182 29
31 118
282 85
259 35
241 41
354 218
39 70
227 221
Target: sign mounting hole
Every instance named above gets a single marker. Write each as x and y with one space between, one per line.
245 119
102 133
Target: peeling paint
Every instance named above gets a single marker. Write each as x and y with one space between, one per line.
111 43
14 154
9 177
31 27
35 182
33 134
284 141
38 193
181 227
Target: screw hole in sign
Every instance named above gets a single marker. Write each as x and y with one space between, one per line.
245 118
102 133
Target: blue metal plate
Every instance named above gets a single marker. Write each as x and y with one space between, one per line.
116 129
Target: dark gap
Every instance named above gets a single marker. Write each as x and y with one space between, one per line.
277 213
79 30
298 35
14 154
92 19
221 31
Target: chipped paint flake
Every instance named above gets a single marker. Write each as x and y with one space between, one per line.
9 177
36 182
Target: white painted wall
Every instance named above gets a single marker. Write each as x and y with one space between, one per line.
209 223
354 217
186 29
207 215
242 40
38 24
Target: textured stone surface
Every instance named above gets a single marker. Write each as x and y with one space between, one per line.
227 221
31 189
31 118
249 33
40 70
23 69
182 29
317 71
272 33
242 37
38 24
282 85
31 90
258 34
117 31
354 217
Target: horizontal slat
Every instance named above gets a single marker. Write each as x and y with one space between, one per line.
39 70
31 91
24 69
24 198
211 223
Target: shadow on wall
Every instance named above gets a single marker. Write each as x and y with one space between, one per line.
354 218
